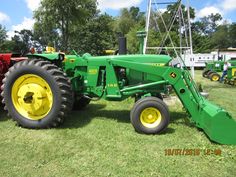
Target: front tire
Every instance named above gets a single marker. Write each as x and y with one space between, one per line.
36 94
150 115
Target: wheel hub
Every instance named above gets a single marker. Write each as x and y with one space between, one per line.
150 117
215 78
32 96
28 98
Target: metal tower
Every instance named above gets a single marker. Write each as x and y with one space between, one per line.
155 10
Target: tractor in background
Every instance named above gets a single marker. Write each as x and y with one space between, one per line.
231 76
212 68
6 61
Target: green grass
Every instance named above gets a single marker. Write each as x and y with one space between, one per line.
100 141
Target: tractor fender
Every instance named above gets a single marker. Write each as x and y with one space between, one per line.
48 56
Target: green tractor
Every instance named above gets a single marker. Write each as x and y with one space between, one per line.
39 92
231 76
212 68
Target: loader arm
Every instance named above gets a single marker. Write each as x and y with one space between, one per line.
215 121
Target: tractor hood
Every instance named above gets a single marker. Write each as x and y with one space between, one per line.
157 60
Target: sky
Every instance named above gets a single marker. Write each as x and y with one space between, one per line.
16 15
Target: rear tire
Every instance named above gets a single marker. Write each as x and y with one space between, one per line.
209 73
150 115
214 77
37 94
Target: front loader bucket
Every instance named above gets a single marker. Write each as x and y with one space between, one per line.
217 124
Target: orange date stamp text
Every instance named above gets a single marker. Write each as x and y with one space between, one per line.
192 152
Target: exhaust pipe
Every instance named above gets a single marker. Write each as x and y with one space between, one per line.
122 45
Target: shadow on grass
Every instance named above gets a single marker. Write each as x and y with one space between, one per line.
181 118
83 117
168 130
3 114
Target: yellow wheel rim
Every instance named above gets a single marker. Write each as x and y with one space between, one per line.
32 96
215 78
150 117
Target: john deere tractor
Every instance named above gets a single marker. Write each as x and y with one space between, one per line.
41 91
231 76
212 68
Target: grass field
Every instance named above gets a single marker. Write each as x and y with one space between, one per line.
100 141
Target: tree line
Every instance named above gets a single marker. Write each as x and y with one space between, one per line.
78 25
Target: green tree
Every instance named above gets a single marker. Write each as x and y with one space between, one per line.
124 22
128 23
132 39
207 25
95 36
201 44
3 33
136 15
128 19
220 38
22 41
205 33
7 46
56 19
232 35
46 35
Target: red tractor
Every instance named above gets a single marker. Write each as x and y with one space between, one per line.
6 61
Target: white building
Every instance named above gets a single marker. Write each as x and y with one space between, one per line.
228 54
198 60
